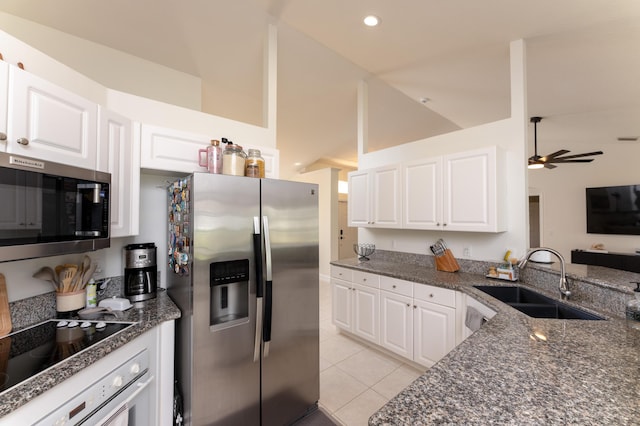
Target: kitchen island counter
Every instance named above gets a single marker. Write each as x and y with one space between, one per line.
146 315
517 369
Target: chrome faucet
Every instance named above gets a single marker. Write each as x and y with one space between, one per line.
563 286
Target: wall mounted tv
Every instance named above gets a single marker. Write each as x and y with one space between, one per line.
613 210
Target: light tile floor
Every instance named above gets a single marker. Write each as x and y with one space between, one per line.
355 379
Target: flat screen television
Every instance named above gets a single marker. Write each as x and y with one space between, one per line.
613 210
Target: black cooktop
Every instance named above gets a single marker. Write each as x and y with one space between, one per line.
28 352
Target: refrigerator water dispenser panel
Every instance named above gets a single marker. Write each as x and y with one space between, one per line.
229 295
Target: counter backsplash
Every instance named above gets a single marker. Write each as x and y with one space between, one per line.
42 307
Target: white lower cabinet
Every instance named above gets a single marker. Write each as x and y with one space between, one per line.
433 332
356 306
416 321
396 323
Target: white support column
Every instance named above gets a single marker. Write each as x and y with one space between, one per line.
520 119
270 82
363 118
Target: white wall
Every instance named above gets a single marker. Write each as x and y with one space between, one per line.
327 181
109 67
562 197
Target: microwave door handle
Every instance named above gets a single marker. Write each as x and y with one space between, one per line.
268 285
257 253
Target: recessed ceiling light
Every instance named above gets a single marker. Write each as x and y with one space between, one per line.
371 21
424 100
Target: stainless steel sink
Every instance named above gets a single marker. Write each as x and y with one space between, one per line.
534 304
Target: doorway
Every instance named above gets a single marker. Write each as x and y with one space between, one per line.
535 226
348 235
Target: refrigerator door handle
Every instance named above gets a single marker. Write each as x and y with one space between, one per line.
268 299
257 253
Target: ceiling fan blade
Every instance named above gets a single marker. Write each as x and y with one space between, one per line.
586 154
554 155
561 161
549 166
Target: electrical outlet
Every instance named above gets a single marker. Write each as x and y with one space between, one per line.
466 252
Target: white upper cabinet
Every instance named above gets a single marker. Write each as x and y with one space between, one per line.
177 151
457 192
119 154
48 122
422 195
472 182
375 198
171 150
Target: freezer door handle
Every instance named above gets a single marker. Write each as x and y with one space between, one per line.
268 299
257 252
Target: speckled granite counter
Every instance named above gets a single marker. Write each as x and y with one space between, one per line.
585 372
146 315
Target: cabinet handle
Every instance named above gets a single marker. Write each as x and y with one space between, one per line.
3 136
393 286
431 295
437 223
364 279
408 305
444 224
23 141
415 307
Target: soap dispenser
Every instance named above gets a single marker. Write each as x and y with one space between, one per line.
633 306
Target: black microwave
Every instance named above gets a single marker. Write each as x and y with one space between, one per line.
49 209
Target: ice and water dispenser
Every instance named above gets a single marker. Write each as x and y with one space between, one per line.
229 295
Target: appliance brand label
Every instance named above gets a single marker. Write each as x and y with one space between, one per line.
26 162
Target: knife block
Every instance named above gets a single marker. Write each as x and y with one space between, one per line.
447 262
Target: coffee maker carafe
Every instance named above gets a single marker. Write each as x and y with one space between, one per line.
141 272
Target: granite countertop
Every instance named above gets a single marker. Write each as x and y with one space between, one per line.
146 315
517 369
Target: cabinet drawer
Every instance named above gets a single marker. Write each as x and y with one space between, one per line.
341 273
366 278
397 286
441 296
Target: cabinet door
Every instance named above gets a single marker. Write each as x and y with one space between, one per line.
470 191
50 123
119 154
396 323
170 150
359 213
4 88
366 309
422 194
341 304
434 332
386 193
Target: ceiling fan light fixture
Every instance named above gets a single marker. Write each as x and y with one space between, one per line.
535 166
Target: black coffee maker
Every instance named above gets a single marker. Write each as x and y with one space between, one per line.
140 272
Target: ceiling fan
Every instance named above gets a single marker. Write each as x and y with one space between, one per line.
558 157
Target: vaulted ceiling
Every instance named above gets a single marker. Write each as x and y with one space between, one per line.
432 66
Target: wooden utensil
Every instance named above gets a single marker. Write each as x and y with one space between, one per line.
66 277
5 315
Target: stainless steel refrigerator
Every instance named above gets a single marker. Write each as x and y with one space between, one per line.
243 268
